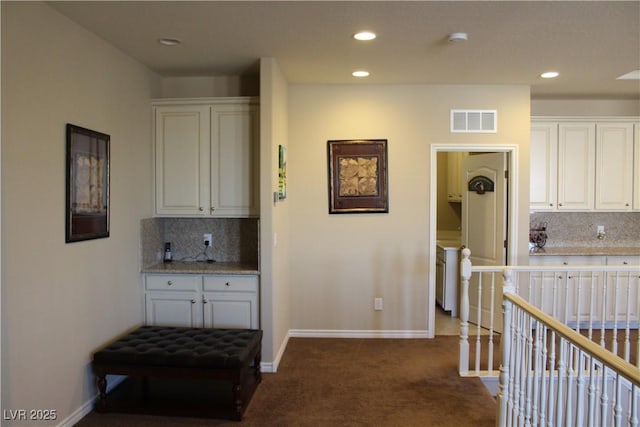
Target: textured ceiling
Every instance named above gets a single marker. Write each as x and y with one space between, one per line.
589 43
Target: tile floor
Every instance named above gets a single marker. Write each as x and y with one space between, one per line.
447 325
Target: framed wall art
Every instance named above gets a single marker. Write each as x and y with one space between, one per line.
87 182
358 177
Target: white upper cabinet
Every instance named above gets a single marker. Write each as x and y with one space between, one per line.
544 166
636 168
206 157
614 166
576 166
182 159
455 182
585 164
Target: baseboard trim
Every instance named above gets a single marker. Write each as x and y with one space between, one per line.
83 411
340 333
272 367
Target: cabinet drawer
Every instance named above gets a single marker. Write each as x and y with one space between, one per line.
236 283
170 282
623 260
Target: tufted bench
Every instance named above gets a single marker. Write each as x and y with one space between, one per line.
227 355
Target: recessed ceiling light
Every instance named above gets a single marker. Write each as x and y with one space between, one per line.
360 73
364 35
632 75
549 74
458 37
168 41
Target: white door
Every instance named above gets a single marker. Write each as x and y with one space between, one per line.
484 231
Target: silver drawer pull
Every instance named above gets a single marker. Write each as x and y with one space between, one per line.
169 282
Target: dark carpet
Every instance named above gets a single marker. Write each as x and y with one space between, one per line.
353 382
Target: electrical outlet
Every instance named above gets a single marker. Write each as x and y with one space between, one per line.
377 304
208 239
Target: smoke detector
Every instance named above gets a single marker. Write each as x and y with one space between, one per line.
458 37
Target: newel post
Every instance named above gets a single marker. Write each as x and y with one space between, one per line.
505 343
465 276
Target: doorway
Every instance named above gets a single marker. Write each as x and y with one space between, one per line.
512 155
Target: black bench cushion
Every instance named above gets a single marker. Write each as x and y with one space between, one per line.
182 347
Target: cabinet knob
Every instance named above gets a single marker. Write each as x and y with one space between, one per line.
626 204
550 204
227 284
625 262
169 283
193 301
565 263
201 209
212 208
559 204
204 300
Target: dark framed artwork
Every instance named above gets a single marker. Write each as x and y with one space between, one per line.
358 179
87 181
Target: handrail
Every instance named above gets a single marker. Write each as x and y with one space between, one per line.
628 370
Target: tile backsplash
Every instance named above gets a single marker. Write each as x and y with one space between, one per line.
576 229
234 239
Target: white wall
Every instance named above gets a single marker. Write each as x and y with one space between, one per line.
585 107
61 301
274 217
339 263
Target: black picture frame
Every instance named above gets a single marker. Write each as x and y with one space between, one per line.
87 184
358 177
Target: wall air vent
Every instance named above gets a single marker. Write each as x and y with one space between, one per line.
474 121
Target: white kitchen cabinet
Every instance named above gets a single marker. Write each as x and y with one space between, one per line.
636 167
567 296
206 157
543 194
576 166
614 166
447 268
213 301
231 301
584 165
455 182
622 291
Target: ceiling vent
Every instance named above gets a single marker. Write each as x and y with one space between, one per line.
474 121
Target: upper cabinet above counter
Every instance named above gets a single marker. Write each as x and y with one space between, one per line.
206 157
585 164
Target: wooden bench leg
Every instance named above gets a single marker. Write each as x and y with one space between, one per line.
237 398
102 392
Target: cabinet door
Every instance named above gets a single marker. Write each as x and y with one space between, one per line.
576 166
543 166
182 160
636 167
585 292
548 292
614 166
455 182
622 292
173 309
234 131
230 310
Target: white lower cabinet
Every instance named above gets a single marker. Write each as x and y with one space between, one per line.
622 290
578 297
568 296
211 301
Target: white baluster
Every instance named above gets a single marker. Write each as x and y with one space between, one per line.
465 276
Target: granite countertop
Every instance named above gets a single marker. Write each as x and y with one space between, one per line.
586 250
192 267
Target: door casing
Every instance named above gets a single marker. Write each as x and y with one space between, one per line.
512 221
